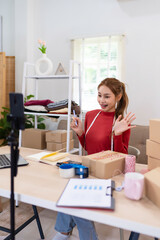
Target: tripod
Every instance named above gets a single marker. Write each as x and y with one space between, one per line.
12 141
17 120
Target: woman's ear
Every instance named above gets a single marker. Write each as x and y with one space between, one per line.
118 98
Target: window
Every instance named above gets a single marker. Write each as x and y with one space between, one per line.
100 57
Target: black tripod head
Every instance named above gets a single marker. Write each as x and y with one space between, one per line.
17 119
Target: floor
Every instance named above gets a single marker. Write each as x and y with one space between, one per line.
48 219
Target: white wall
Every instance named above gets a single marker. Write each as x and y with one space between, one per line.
59 21
8 24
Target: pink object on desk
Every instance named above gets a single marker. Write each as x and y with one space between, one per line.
143 171
133 185
130 161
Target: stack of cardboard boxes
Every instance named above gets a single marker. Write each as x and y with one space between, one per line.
34 138
153 144
152 178
42 139
57 140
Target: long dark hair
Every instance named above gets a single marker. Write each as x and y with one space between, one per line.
117 88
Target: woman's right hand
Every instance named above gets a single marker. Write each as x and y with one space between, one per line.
77 126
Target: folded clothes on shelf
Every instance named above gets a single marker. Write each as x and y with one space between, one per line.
35 108
38 102
59 111
63 104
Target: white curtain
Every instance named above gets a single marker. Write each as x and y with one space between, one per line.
100 57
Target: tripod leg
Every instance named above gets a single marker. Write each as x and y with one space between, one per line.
38 221
17 205
134 236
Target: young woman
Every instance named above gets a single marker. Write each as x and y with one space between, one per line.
104 129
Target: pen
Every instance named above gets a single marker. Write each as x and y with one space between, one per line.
75 116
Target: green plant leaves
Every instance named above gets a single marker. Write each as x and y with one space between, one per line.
5 126
28 98
30 122
42 49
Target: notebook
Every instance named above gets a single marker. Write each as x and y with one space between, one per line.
48 158
88 193
5 161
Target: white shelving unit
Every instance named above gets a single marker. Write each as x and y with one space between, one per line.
69 77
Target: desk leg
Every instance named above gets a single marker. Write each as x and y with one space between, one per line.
38 221
121 234
1 209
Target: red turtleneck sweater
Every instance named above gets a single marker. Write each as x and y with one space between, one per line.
98 137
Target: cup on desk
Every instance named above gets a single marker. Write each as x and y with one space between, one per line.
133 185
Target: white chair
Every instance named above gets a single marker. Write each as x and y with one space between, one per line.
133 151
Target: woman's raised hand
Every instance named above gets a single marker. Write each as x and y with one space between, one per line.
121 125
76 125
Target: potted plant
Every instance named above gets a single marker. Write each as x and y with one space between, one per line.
5 126
30 119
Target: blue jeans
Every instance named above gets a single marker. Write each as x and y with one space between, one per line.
65 223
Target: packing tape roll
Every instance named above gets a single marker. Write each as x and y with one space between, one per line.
82 171
67 170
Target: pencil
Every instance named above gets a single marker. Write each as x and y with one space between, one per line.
74 116
48 155
51 154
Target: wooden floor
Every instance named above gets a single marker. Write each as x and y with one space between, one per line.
48 219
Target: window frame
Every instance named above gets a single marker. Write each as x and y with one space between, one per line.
79 56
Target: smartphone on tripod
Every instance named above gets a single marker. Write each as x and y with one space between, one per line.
17 110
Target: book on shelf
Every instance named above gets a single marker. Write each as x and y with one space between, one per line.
88 193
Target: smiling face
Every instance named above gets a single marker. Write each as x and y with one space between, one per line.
106 99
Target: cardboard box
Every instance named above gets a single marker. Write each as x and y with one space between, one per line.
58 136
154 130
105 164
152 185
34 138
153 149
52 146
153 163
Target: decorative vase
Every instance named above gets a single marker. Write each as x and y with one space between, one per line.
43 66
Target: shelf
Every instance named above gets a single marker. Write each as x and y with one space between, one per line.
74 150
46 114
70 77
51 77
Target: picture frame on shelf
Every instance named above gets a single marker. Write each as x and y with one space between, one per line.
60 70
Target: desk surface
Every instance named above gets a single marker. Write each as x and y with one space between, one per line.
40 184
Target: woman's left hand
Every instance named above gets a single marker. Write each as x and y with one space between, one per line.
121 126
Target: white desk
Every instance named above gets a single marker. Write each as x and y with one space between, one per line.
40 184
